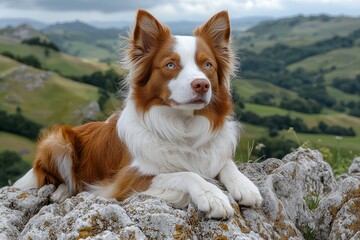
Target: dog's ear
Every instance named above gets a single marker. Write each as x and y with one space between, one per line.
148 31
216 29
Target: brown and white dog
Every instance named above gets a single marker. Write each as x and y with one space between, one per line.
174 130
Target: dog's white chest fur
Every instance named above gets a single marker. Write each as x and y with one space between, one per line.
166 140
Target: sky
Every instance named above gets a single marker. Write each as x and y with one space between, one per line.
51 11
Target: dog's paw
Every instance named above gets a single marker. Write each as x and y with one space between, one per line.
214 202
61 193
246 193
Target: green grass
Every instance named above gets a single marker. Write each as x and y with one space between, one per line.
247 88
7 64
329 116
86 50
263 110
347 143
57 61
340 95
21 145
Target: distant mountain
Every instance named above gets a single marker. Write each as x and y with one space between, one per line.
186 26
83 40
14 22
19 33
110 24
243 24
80 28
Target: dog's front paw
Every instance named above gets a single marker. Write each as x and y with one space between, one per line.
246 193
214 202
61 194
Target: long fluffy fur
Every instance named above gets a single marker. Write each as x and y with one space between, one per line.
168 135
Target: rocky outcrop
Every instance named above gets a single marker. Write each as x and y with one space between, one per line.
301 200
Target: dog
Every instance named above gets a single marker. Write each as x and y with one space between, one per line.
175 129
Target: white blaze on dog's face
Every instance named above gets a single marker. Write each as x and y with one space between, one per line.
191 89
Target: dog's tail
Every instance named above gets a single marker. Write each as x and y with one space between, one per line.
54 160
29 180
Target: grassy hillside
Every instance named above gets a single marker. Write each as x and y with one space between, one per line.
82 40
54 61
337 63
46 98
248 88
21 145
296 31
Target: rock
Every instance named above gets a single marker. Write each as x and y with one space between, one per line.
291 187
87 111
83 216
338 214
17 207
355 166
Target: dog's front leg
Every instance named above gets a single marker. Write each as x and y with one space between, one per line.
180 187
240 187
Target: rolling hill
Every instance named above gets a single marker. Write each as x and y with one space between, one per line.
44 96
52 60
82 40
296 31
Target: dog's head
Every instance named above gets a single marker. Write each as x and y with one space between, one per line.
182 72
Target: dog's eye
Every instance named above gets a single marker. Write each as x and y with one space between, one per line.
170 65
207 65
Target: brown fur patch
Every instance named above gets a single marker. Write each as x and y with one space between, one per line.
129 180
94 148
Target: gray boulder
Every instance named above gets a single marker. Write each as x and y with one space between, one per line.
301 198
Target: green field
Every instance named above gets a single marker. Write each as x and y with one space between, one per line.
89 51
329 116
56 61
346 62
21 145
247 88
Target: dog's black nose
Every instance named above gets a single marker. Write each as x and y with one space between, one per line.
200 85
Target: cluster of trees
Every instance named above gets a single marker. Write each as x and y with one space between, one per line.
41 42
108 80
263 98
351 86
12 167
289 55
301 105
30 60
103 98
276 123
18 124
354 108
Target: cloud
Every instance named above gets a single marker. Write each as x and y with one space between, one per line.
82 5
194 10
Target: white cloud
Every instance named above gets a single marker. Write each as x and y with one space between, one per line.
199 10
